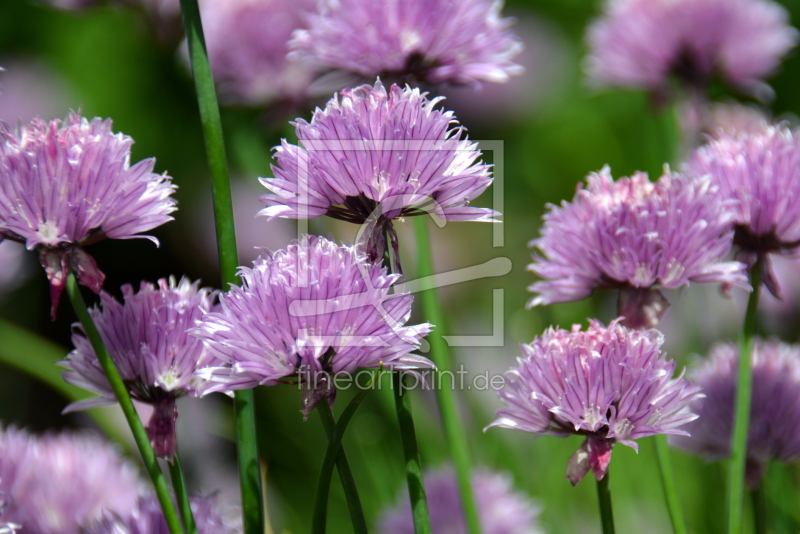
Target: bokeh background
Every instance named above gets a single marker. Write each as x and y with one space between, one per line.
114 61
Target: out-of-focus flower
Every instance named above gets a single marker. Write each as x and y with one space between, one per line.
501 509
637 236
372 156
433 41
316 310
29 89
147 339
66 185
775 406
608 384
148 518
247 44
11 260
58 483
646 43
759 171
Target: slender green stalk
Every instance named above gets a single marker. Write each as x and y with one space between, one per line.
343 466
668 484
760 511
332 454
182 495
604 498
244 401
741 420
125 402
416 485
456 438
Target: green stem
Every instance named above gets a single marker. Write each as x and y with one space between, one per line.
604 499
760 517
331 456
416 484
669 486
741 421
182 495
244 401
125 402
456 438
343 466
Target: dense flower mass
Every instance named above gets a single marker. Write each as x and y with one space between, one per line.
501 509
247 47
373 155
148 518
433 41
760 172
146 336
65 185
608 384
645 43
58 483
313 310
638 236
774 409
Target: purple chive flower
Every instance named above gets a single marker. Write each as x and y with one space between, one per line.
646 43
431 41
758 171
146 336
609 384
148 518
637 236
317 310
372 156
247 47
57 483
66 185
501 509
775 407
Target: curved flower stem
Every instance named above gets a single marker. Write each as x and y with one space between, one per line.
125 402
182 496
451 421
332 454
741 420
604 499
244 400
668 484
416 484
335 434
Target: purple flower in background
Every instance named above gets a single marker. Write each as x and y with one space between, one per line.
432 41
247 47
57 483
637 236
372 156
501 509
775 406
147 338
66 185
645 43
608 384
148 518
316 310
760 172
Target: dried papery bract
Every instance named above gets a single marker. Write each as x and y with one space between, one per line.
636 236
146 336
502 508
413 41
608 384
758 172
774 410
64 185
314 311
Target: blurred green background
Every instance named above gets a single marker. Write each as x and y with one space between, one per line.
111 62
